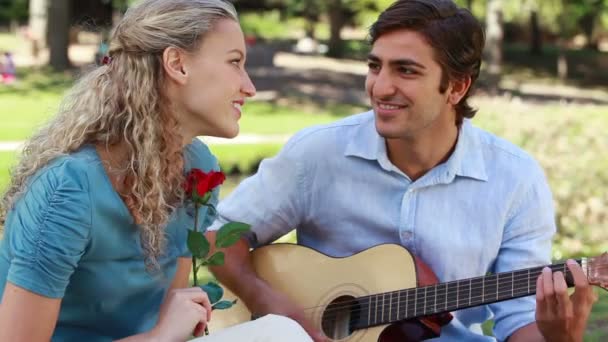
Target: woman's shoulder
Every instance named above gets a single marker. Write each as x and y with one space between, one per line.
198 155
68 171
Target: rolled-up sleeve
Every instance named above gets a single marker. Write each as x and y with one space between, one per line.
270 201
50 230
526 243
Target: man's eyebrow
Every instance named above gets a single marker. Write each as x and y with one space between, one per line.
396 62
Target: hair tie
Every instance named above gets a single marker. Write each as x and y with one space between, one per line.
106 60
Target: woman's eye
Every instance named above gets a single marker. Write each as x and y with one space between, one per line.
236 62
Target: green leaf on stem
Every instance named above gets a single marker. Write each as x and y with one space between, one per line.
214 291
216 259
230 233
198 244
224 304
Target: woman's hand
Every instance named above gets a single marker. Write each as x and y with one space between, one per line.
182 311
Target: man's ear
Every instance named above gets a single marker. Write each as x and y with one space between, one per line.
174 60
458 88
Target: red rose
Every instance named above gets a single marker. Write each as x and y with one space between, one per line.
202 182
216 178
192 179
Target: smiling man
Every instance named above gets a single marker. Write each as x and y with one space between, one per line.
414 171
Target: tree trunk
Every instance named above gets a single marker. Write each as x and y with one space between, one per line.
562 61
59 33
536 42
470 5
587 24
37 22
336 22
494 40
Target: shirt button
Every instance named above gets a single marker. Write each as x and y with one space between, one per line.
406 235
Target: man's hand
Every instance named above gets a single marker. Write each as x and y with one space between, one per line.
276 303
561 317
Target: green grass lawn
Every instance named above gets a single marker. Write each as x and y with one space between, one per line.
6 160
36 98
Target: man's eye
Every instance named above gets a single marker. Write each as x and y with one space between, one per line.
373 66
407 71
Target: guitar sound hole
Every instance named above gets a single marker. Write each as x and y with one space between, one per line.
340 316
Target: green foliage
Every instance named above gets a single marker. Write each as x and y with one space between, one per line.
268 25
245 158
198 244
570 142
230 233
7 160
223 304
214 291
217 259
13 10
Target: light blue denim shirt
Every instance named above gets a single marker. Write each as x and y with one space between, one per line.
70 236
488 208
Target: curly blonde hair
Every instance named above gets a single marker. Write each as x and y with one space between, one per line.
123 102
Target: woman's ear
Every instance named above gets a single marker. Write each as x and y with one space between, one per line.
174 64
458 89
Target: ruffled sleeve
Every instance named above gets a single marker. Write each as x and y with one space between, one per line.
49 229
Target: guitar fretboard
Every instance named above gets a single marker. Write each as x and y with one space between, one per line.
389 307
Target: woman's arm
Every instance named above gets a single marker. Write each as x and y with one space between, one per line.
182 275
26 316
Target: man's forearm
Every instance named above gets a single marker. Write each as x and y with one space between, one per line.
237 272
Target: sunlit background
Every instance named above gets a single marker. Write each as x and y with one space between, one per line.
544 87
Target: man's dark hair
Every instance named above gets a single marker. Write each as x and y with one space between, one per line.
454 34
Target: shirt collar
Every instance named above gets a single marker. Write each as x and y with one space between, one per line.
467 159
365 140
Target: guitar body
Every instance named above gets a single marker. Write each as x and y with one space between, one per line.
314 280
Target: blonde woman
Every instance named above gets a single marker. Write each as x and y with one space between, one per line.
94 246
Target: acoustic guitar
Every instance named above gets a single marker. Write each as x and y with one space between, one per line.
363 298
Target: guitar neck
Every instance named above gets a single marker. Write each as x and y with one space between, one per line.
389 307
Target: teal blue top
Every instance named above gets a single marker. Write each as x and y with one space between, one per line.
71 236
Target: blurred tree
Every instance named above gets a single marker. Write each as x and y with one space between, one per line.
494 40
536 42
59 20
588 13
37 26
338 13
13 12
337 19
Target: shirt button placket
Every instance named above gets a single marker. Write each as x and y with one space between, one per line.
405 232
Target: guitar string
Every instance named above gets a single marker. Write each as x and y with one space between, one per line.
332 318
331 315
516 280
455 282
518 276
